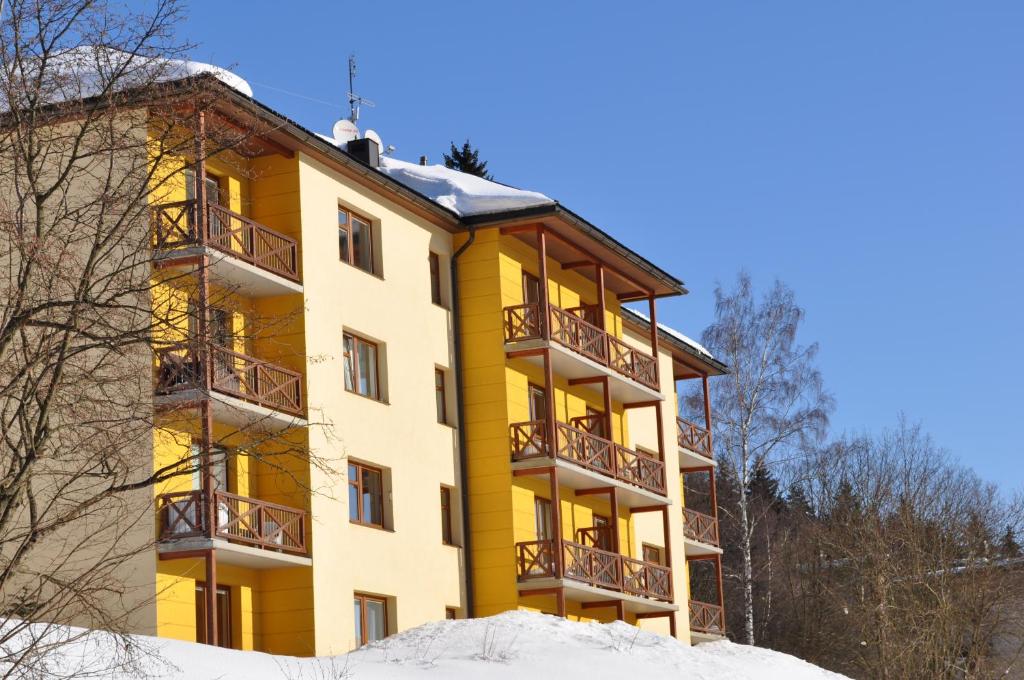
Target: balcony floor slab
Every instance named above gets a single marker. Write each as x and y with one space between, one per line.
698 548
582 592
576 477
569 364
231 272
698 638
232 411
233 553
689 460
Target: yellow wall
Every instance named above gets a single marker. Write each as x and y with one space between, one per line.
496 395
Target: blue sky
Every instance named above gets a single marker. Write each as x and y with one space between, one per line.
869 154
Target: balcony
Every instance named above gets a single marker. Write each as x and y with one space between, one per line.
590 574
244 254
582 350
248 532
707 621
248 389
701 533
694 445
589 461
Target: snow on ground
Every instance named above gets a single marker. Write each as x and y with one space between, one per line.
513 645
458 191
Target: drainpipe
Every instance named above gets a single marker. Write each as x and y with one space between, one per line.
467 552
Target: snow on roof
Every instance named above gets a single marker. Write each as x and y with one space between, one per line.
460 192
512 645
674 333
87 70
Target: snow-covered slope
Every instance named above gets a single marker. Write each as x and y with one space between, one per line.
513 645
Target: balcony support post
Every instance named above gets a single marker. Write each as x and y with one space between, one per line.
542 267
202 354
599 276
211 598
560 602
721 595
556 526
607 396
654 335
707 406
712 493
613 499
665 524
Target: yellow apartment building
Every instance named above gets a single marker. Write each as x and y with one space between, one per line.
389 407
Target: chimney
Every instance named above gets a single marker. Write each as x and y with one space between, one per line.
423 160
366 151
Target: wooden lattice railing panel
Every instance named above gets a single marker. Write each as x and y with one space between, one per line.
693 437
239 519
570 328
707 618
175 225
700 527
535 559
647 579
590 452
178 367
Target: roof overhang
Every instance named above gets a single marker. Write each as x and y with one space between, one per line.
687 361
578 244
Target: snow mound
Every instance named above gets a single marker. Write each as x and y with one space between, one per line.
88 70
460 192
513 645
674 333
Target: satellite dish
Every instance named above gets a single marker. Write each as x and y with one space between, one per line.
370 134
345 131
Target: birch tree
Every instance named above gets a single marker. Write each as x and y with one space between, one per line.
769 406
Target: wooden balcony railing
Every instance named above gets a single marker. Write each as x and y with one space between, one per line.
174 225
700 527
596 567
236 374
646 579
693 437
529 440
570 329
239 520
706 618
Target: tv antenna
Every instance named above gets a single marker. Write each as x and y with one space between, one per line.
354 100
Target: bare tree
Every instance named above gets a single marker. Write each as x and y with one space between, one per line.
96 121
895 573
766 409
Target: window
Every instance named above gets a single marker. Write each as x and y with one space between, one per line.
603 535
652 553
355 240
365 495
451 613
371 617
538 403
446 516
223 599
435 278
218 467
542 514
440 396
361 366
531 289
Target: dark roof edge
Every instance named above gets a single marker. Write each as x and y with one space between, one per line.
645 324
588 228
307 136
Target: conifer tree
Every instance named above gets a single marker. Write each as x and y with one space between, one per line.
467 160
1008 546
